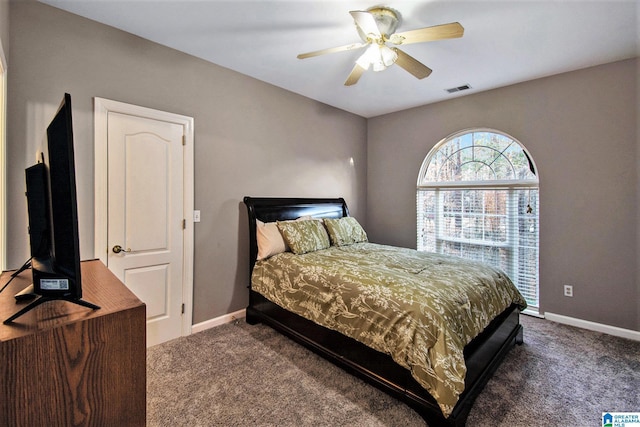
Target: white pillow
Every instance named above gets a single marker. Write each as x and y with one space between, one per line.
270 241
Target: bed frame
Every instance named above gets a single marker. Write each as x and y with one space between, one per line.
482 355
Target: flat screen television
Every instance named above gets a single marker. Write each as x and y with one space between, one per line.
59 273
53 217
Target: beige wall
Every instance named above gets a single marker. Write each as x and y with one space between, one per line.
581 128
251 138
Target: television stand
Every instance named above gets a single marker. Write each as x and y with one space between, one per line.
25 294
64 365
44 299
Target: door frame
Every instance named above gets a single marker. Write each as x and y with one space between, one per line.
102 108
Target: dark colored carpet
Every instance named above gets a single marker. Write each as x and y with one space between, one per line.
243 375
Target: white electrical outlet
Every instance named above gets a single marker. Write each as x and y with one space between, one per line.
568 290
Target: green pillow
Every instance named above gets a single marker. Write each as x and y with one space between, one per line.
345 231
304 236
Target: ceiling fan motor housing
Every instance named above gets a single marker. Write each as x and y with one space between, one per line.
386 19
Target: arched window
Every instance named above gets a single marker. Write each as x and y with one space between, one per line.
477 197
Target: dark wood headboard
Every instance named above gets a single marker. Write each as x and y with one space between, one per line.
269 209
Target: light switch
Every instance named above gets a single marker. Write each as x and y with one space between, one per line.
196 216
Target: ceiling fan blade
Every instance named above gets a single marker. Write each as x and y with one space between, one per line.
354 76
412 65
437 32
332 50
367 23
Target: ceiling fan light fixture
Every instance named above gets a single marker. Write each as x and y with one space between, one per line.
379 57
369 57
378 66
388 55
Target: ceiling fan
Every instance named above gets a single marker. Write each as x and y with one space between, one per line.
376 27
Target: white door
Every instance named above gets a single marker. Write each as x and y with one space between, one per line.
146 218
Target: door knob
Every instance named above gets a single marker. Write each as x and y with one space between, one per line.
117 249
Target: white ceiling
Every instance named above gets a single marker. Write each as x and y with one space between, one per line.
505 42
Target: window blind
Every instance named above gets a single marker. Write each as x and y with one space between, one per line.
498 226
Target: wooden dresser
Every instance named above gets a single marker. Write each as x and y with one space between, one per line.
66 365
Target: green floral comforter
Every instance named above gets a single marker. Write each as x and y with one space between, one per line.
421 308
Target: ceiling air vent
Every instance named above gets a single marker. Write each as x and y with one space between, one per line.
458 89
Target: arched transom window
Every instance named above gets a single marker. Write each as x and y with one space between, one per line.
477 197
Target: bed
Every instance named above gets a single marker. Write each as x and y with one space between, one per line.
371 355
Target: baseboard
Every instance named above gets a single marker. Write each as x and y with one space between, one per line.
532 312
593 326
558 318
212 323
